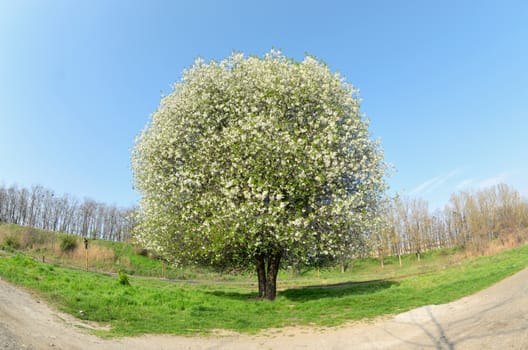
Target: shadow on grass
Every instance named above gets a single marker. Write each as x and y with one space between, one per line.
336 290
235 295
317 292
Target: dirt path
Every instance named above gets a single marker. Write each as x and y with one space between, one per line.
496 318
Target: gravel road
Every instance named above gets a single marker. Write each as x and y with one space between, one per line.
495 318
9 341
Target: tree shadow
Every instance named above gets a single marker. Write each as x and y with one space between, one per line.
453 333
337 290
242 296
315 292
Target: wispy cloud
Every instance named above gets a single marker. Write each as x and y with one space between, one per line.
466 183
424 185
433 183
494 180
472 183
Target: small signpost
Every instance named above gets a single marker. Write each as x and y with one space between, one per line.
86 253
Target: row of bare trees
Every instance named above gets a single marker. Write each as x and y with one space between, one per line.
41 208
469 220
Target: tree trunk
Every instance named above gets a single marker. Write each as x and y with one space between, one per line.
267 275
344 265
271 278
261 273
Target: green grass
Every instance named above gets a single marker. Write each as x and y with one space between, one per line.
126 257
156 306
46 245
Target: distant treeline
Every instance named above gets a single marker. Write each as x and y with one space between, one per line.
470 220
41 208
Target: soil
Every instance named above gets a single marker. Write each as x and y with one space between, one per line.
495 318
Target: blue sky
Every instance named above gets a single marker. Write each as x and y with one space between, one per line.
444 83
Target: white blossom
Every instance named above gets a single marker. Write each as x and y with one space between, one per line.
256 153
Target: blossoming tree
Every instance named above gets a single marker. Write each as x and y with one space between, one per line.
252 159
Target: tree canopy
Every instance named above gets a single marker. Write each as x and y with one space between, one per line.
253 159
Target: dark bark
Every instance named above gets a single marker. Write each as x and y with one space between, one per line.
271 278
267 270
261 273
344 265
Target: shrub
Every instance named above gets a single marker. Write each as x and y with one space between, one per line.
123 278
12 242
68 243
141 251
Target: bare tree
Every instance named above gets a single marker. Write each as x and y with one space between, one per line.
41 208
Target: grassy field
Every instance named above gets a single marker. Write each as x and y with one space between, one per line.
103 256
107 256
150 305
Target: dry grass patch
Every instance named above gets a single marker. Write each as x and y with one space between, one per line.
506 240
95 253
